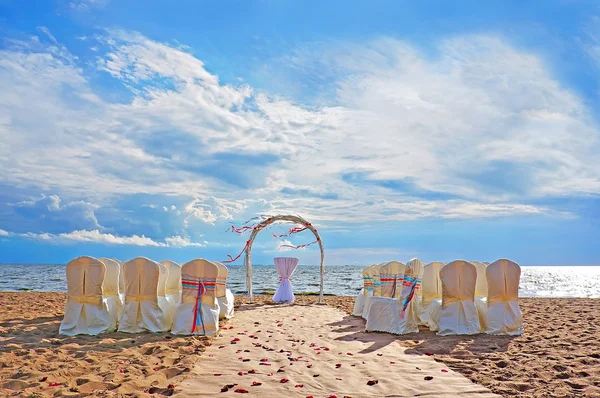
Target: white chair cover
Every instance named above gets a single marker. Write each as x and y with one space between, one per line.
398 315
503 315
367 290
141 310
121 280
110 290
86 312
285 267
390 277
431 289
456 314
198 312
172 286
225 298
374 270
481 290
161 293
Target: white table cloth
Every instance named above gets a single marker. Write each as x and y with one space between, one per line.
285 267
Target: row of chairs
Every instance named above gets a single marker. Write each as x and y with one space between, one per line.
456 298
143 295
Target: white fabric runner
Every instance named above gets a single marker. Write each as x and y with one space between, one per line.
285 267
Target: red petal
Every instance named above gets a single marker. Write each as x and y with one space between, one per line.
283 380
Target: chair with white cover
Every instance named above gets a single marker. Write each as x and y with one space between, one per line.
285 268
141 311
121 281
110 289
431 289
376 273
367 290
198 312
161 293
502 313
457 313
173 285
225 298
398 315
481 291
86 312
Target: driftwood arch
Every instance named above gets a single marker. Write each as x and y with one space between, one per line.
265 223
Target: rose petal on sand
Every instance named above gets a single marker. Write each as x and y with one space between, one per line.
445 370
338 365
299 385
256 383
428 353
218 374
379 354
372 382
284 380
338 378
251 371
241 391
428 378
392 363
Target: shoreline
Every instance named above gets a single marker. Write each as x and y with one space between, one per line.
558 354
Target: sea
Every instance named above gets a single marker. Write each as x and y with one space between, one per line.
341 280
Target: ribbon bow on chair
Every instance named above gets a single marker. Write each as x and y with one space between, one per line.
196 284
412 283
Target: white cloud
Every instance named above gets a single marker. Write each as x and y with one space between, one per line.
86 5
96 236
4 233
178 241
476 131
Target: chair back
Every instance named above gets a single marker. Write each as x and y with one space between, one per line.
110 285
391 276
84 280
221 279
141 280
503 277
163 276
367 274
173 285
432 285
481 286
458 282
199 278
411 282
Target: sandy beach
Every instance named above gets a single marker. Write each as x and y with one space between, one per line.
557 356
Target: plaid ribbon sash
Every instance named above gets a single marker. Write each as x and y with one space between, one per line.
414 284
198 286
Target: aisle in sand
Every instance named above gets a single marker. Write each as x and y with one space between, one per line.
316 350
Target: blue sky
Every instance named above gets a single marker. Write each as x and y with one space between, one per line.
439 130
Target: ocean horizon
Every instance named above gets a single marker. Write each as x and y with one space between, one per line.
550 281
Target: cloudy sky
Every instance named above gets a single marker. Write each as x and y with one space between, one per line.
398 129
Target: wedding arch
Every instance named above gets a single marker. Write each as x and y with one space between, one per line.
264 222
